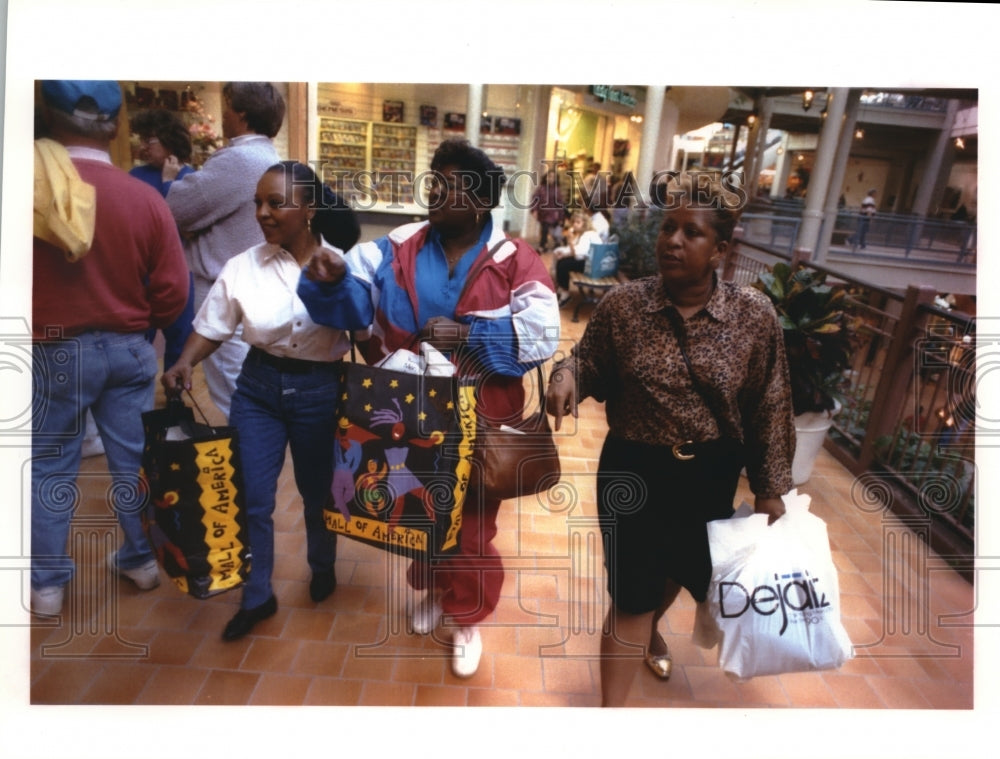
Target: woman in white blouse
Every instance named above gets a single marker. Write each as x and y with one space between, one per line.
572 256
287 391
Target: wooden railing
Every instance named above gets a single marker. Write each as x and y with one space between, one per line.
907 429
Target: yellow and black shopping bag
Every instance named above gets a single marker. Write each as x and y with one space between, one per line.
196 521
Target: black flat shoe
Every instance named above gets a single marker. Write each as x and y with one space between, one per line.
245 619
322 586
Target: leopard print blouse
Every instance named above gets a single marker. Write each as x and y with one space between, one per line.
629 358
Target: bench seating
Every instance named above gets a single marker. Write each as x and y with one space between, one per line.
592 290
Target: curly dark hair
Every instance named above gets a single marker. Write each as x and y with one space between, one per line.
259 103
485 178
168 128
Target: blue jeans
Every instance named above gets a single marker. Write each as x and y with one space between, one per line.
861 235
273 410
113 375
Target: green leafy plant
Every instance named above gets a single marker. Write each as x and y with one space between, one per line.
637 242
820 333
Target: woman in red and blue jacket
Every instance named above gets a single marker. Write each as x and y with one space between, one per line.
485 300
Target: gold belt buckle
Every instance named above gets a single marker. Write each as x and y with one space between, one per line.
679 454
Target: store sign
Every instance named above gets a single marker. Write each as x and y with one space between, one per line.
604 93
338 108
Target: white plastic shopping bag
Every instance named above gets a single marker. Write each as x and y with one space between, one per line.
773 603
430 362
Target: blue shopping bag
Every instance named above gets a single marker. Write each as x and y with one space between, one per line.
602 260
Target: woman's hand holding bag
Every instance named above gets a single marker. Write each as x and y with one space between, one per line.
773 604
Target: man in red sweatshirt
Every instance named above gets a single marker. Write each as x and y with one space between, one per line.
90 313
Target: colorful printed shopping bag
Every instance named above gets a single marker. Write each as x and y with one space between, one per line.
195 520
402 460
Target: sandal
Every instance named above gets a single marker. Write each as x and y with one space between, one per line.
660 665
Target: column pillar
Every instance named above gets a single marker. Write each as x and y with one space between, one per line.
732 146
535 123
782 170
651 122
473 113
925 192
300 106
843 152
819 182
755 149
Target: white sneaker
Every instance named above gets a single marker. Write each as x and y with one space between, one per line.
92 446
468 647
145 577
47 601
424 618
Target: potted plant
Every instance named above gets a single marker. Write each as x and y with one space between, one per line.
637 242
820 336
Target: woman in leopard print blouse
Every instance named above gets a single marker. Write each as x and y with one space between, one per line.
681 423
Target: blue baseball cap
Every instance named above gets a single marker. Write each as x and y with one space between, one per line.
65 95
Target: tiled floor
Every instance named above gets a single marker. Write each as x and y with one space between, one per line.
908 615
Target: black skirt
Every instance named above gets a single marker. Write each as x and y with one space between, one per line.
653 503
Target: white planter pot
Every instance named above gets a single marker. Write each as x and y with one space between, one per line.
810 432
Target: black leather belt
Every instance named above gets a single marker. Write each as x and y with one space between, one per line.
289 365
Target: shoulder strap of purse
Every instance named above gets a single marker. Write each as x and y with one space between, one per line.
680 332
480 263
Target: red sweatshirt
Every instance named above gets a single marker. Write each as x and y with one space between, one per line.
134 276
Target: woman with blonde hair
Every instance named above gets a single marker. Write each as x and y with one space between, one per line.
572 257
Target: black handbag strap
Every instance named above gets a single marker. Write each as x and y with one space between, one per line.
480 263
680 332
541 389
181 416
198 408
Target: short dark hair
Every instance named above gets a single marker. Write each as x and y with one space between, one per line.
487 179
168 128
334 219
705 193
259 103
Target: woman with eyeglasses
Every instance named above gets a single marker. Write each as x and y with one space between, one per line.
162 135
163 139
457 282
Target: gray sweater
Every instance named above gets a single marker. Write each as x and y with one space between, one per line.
214 206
